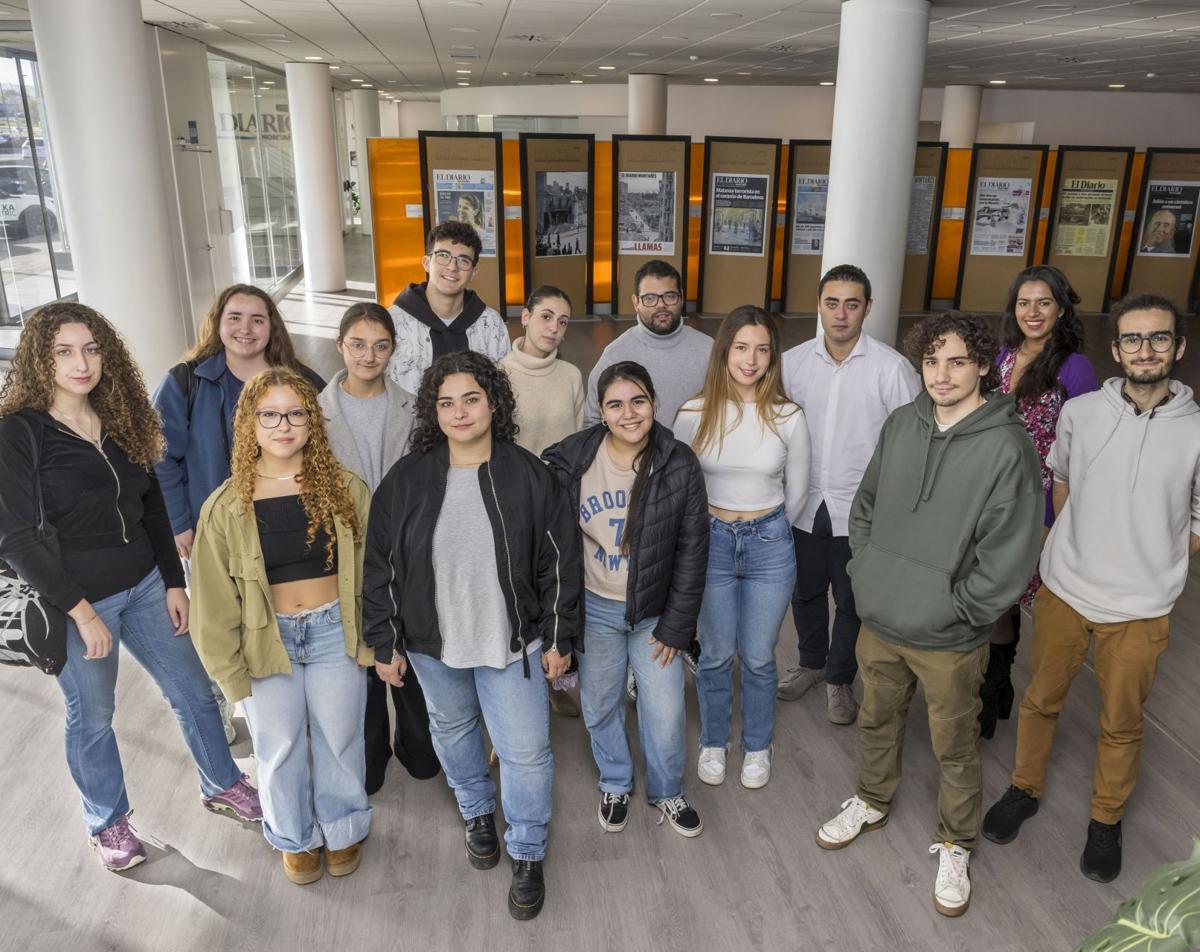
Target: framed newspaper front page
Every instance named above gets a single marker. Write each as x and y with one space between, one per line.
1087 207
1165 253
737 249
650 209
924 221
807 182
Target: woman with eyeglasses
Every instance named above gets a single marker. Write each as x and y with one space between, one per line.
277 572
369 419
1042 365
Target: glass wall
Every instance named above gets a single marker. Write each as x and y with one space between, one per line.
35 257
254 149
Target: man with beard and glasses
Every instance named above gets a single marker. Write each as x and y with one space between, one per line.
675 355
1126 465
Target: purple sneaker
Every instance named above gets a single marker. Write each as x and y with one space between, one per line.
118 846
239 801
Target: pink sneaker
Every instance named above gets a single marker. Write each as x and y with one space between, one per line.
118 846
240 802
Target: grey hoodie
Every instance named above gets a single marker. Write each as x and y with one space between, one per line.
1119 548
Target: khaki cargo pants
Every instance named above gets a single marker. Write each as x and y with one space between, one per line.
1126 660
951 680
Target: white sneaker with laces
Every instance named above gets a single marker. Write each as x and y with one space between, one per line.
710 768
857 817
952 888
756 768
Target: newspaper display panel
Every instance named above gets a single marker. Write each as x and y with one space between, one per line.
739 214
809 195
469 196
1169 219
561 210
920 211
1085 217
646 213
1000 224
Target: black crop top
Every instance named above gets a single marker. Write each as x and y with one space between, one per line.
282 527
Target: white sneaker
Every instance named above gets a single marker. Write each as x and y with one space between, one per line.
227 710
856 817
756 768
952 888
711 766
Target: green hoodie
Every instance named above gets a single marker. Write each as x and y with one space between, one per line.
946 527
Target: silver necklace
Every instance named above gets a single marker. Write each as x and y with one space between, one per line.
265 476
78 427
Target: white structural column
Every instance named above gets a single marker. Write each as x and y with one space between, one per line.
877 108
960 115
366 125
104 134
310 102
647 104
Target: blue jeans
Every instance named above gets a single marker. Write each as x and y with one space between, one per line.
611 646
137 618
751 573
516 710
316 710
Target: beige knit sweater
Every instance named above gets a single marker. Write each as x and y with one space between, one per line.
549 394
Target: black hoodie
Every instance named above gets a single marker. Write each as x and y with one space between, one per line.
445 338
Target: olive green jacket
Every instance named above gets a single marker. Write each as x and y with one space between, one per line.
233 625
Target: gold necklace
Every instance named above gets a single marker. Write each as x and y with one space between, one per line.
295 476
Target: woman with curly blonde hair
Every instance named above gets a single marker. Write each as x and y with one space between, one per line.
276 573
76 424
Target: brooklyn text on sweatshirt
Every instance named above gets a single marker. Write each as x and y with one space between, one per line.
1119 547
603 510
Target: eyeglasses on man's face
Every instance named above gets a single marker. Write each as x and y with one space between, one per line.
669 298
462 262
270 419
360 348
1160 342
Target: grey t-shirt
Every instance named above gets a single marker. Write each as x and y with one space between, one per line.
476 631
367 422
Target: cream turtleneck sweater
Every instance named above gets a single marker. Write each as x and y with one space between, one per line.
549 394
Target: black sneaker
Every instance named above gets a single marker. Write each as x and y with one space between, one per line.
681 815
483 846
1101 859
528 891
1004 819
614 811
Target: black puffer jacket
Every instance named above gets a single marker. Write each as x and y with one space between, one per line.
668 561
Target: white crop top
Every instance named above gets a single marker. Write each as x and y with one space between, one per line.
754 468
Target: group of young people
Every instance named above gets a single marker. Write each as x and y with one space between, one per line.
458 522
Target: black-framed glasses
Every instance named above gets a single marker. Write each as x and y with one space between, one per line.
1160 342
670 299
270 419
359 348
443 257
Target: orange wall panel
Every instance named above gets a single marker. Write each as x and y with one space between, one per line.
950 233
395 170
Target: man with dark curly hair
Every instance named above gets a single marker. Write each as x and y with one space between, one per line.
944 534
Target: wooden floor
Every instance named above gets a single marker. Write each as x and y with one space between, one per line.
754 880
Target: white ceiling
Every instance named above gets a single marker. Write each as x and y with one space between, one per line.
413 49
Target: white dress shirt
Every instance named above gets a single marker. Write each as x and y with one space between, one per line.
845 406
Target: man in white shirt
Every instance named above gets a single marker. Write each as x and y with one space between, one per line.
848 384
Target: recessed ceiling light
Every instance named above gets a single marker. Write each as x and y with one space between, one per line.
997 82
367 86
826 82
464 72
314 57
730 16
606 67
463 29
677 39
711 79
1055 6
744 74
637 54
335 67
576 82
585 75
393 82
1116 85
1151 75
245 22
356 80
463 3
464 84
461 46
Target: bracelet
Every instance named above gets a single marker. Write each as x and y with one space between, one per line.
80 624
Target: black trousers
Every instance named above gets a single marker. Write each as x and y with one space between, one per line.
821 559
410 741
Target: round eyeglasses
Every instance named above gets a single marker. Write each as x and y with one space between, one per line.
1160 342
360 348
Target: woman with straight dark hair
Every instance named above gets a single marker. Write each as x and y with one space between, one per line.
1041 363
642 531
473 580
752 443
369 420
75 402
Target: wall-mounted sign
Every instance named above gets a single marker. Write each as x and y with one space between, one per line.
1169 219
469 196
646 213
739 214
808 213
1001 216
560 209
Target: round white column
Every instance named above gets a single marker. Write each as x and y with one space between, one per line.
310 102
109 161
366 125
647 104
876 112
960 115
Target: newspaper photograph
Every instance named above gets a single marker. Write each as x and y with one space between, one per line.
468 196
1085 217
646 213
920 212
1169 219
560 207
1000 225
809 192
739 214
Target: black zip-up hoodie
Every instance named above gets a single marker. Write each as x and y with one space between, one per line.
108 513
537 560
668 561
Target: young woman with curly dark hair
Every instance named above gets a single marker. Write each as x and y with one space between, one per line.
276 572
74 400
473 580
1041 363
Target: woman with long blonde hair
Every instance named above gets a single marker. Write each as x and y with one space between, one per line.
753 446
77 429
276 575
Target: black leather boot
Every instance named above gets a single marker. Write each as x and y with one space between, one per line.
483 846
528 890
997 692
